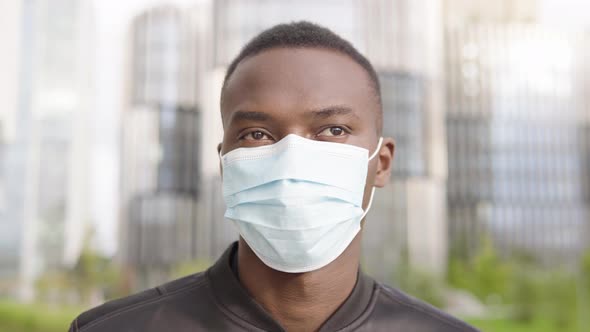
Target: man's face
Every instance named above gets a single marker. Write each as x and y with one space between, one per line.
314 93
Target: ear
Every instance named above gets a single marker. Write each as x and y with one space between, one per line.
219 156
385 157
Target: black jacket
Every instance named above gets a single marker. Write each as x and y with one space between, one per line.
214 300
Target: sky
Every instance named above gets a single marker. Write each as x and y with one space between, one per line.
112 25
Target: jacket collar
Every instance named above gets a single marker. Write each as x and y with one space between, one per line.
236 302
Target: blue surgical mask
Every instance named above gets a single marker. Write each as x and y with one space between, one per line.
297 203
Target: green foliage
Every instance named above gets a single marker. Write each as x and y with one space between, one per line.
523 295
78 284
421 285
91 273
584 303
585 271
485 275
417 283
532 293
551 295
35 318
558 300
505 325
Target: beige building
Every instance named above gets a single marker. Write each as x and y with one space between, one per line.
45 147
161 171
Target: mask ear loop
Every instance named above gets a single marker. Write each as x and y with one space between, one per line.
372 190
370 202
378 148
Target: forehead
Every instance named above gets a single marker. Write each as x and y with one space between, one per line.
292 79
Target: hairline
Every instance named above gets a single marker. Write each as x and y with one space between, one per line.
373 81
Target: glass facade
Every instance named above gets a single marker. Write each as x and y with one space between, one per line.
404 110
161 143
162 186
164 58
516 141
161 171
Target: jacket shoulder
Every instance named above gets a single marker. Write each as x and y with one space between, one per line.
120 306
421 315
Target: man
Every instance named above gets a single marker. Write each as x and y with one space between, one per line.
301 154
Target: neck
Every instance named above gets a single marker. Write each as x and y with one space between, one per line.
300 301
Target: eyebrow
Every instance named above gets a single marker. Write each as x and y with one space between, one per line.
250 115
331 111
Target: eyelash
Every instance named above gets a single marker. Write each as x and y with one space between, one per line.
344 129
243 136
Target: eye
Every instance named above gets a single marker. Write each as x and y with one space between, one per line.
333 131
256 135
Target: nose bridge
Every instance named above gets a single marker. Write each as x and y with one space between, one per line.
287 100
292 121
288 106
295 129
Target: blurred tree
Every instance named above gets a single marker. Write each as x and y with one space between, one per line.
557 299
530 291
93 278
584 293
485 274
93 273
523 294
420 284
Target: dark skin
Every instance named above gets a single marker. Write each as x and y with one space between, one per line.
318 94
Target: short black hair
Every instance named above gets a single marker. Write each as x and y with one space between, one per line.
303 34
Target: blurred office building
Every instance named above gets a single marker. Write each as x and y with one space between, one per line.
44 139
517 119
10 230
161 152
407 223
